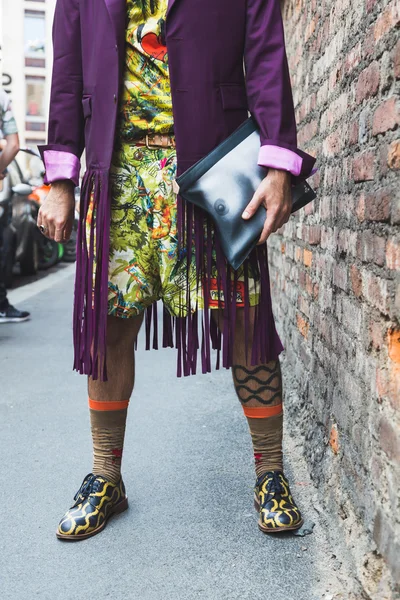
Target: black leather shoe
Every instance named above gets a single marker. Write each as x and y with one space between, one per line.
275 504
96 500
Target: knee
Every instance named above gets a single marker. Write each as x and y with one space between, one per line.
122 332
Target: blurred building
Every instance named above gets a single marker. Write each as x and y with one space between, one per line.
26 63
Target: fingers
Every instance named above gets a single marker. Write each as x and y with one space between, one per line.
274 221
252 206
67 230
59 231
270 226
49 226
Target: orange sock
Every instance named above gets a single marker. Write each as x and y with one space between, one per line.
108 420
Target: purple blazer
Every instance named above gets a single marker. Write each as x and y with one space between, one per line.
209 43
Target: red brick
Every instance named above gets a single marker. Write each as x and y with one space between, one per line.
337 109
371 248
325 207
375 206
394 386
356 281
352 134
393 155
347 241
395 211
353 58
334 143
396 60
393 255
302 325
307 257
382 383
368 43
346 204
334 439
386 21
309 285
368 82
340 276
312 234
394 345
308 131
389 437
386 117
376 292
303 306
363 167
376 334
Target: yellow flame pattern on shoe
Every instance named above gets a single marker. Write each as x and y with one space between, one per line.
274 501
96 500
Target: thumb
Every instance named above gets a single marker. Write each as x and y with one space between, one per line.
252 206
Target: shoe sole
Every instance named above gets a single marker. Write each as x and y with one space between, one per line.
13 320
276 529
118 508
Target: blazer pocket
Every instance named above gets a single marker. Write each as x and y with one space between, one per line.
87 106
233 96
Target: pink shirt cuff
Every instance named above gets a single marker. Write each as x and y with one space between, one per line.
281 158
61 165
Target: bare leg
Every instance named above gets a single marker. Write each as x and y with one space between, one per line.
121 337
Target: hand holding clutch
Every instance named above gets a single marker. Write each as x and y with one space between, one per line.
222 182
274 193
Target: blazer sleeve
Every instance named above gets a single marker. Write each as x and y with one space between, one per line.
269 91
61 155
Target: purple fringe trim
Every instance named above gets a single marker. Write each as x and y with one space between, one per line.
91 293
189 334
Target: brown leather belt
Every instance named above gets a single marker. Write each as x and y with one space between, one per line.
157 140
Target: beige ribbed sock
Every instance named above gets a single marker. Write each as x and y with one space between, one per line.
266 435
108 420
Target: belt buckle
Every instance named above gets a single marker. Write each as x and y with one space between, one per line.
170 143
147 142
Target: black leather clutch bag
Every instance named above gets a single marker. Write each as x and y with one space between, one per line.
223 183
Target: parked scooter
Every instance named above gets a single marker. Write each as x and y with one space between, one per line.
18 219
23 243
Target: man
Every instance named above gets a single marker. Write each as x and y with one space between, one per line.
148 87
9 147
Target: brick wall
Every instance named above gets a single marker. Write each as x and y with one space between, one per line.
335 271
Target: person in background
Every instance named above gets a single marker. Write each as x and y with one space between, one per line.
9 147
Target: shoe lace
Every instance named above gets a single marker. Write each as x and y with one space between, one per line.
275 484
88 486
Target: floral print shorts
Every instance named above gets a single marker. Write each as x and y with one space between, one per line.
145 263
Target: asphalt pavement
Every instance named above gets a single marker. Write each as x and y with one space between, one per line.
191 529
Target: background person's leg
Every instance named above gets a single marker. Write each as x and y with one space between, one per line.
3 290
108 401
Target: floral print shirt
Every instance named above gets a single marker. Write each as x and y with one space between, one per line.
146 105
